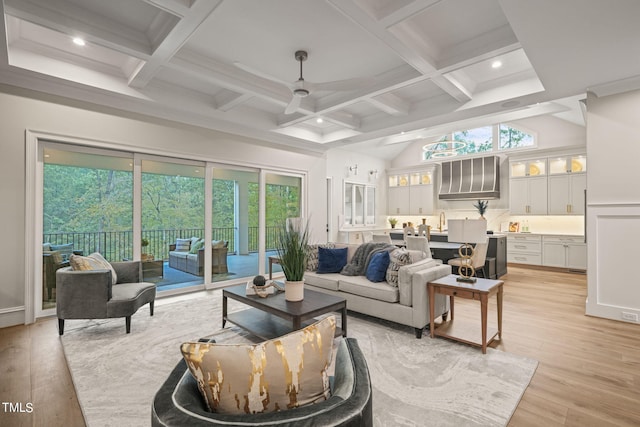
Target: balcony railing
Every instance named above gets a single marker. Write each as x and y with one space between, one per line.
118 245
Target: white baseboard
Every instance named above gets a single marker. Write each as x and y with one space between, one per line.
11 316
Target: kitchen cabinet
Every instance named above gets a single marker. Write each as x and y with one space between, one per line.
524 249
566 194
528 196
564 252
398 201
411 193
421 200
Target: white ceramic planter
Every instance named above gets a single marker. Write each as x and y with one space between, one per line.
293 291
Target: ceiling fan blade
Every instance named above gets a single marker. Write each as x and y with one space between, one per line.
342 85
293 106
260 74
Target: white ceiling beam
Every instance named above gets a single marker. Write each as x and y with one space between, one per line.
170 6
354 12
390 104
230 77
227 100
173 41
66 18
404 12
343 119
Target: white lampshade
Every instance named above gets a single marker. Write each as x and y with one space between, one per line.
467 230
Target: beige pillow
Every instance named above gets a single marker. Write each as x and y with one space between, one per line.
275 375
95 261
397 259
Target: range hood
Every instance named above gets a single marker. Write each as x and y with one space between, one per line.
470 179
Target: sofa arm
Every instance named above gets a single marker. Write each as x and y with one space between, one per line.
82 294
421 297
128 271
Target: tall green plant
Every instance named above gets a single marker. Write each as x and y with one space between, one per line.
292 249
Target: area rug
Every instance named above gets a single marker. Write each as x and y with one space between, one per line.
416 382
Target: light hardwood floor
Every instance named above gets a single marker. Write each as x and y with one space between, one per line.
588 375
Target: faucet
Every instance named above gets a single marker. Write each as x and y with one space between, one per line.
441 222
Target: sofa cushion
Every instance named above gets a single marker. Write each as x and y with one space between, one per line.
360 285
397 259
331 260
196 246
183 245
178 254
312 255
418 255
94 261
325 281
377 268
351 249
216 244
278 374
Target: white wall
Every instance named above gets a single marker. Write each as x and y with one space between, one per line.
338 163
20 113
613 205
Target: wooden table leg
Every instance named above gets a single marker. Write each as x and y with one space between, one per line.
451 302
344 320
499 297
483 314
432 308
270 268
224 310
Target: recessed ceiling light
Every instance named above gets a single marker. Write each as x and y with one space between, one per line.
319 120
496 64
78 41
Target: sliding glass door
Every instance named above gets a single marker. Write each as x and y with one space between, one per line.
234 224
282 200
172 222
191 223
87 207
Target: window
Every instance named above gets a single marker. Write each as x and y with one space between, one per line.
359 204
513 138
478 140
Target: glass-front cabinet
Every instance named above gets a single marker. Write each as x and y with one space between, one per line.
567 164
411 193
525 168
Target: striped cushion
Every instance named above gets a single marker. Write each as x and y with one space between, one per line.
95 261
183 245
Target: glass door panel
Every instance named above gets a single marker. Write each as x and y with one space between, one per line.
87 207
172 219
283 200
235 225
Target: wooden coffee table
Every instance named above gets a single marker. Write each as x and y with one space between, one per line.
274 316
481 290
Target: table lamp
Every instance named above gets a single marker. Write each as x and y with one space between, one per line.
467 231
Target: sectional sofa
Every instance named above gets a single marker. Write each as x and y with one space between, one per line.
407 303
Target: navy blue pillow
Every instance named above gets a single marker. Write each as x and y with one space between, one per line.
377 268
331 260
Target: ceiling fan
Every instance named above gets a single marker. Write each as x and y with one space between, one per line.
302 88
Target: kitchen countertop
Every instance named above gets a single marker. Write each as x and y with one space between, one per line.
507 233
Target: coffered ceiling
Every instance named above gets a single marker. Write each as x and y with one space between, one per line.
380 73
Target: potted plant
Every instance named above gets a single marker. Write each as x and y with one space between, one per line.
482 206
393 222
144 243
292 251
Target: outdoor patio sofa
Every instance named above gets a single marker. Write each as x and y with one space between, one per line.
188 255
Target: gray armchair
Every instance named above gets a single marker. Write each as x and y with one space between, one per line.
90 294
179 403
